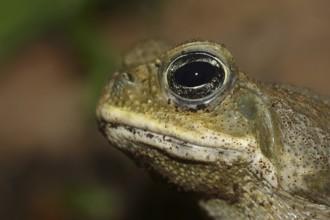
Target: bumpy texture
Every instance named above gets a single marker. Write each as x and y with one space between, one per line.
255 151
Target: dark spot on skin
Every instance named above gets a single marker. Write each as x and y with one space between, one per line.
144 80
132 130
149 135
235 187
234 199
176 108
192 110
111 125
201 106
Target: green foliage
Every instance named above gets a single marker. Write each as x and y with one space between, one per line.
21 20
93 202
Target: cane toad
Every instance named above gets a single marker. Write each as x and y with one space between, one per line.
244 149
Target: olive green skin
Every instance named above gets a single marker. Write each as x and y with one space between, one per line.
255 151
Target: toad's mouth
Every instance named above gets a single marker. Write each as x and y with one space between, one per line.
129 138
122 136
132 131
126 129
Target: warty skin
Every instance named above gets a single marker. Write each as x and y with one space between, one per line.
252 151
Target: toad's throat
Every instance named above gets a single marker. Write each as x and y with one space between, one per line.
123 136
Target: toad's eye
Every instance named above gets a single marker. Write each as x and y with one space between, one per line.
195 76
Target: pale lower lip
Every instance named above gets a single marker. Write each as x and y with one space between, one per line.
170 145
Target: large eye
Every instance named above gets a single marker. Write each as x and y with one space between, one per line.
195 75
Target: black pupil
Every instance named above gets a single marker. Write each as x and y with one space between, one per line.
195 74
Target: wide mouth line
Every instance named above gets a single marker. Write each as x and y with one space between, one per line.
151 134
171 145
207 139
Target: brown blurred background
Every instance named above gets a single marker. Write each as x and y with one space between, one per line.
54 57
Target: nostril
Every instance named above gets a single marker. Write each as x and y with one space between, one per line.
128 76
